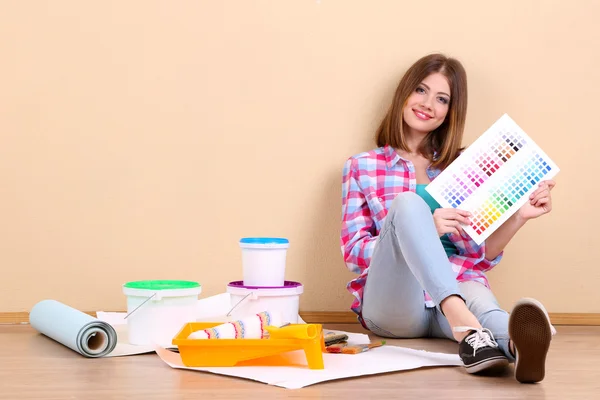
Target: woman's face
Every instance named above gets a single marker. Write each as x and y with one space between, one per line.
427 107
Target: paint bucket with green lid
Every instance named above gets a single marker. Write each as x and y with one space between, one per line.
157 309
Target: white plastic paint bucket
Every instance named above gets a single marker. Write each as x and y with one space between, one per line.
283 300
263 261
157 310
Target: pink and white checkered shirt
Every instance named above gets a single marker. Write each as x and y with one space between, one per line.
371 181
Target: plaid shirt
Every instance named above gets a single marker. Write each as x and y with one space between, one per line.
371 181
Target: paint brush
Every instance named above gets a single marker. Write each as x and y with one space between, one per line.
345 348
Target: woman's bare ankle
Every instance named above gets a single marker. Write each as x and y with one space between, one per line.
458 315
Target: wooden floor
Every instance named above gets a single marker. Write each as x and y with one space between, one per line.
34 367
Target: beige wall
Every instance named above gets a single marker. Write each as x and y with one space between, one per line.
141 140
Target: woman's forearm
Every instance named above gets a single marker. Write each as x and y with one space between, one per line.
498 240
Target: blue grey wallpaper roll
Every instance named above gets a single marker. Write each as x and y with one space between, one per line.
74 329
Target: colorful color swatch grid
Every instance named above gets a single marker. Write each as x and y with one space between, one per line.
493 177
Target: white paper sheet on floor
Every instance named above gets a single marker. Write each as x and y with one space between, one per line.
337 366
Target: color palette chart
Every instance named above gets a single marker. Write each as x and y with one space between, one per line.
493 177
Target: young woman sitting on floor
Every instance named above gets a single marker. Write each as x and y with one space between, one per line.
420 274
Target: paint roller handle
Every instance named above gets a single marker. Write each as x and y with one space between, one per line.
299 331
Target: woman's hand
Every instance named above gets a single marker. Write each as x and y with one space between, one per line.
448 220
540 202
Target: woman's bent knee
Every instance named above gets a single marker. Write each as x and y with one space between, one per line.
408 207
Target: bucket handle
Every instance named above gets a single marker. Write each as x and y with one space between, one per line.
135 309
243 300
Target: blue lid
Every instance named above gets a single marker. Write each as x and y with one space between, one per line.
264 240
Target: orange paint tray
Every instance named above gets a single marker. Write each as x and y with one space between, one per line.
230 352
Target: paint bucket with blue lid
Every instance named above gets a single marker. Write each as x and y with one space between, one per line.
263 260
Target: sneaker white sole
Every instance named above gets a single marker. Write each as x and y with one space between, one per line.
531 333
489 363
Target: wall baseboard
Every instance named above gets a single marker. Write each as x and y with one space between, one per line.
344 317
347 317
18 318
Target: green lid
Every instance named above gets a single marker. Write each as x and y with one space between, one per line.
162 285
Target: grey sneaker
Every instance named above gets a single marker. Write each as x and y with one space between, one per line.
531 332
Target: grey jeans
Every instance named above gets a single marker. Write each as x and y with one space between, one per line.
409 258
